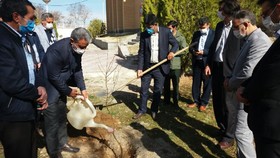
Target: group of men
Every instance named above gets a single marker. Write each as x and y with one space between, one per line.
237 61
37 74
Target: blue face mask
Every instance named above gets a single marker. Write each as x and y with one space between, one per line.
28 28
150 31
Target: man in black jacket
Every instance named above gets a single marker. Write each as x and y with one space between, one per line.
62 68
20 87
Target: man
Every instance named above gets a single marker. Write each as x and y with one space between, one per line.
204 38
214 65
154 47
261 93
255 46
175 67
21 88
45 31
62 68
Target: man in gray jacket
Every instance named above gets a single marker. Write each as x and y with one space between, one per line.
255 46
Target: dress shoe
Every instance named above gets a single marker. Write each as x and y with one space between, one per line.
138 115
69 148
154 114
192 105
225 144
202 108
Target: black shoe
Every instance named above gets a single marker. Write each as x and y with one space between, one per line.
138 115
69 148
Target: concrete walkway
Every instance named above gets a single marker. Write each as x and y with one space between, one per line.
100 66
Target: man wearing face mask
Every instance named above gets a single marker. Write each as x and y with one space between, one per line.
214 65
175 67
266 19
204 38
45 31
255 46
261 93
20 87
62 68
154 47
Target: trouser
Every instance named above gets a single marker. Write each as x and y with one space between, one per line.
55 126
267 148
158 77
174 75
218 92
199 77
18 139
232 108
244 136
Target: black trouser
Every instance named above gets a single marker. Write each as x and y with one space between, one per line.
218 91
55 126
18 139
199 77
267 148
174 75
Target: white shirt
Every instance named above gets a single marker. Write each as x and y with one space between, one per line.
202 40
154 48
221 44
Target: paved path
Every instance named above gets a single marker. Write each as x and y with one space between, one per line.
97 62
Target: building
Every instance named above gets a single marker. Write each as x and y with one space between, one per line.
123 16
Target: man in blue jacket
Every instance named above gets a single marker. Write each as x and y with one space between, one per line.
62 68
21 89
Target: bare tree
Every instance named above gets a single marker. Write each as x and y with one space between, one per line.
57 15
40 9
78 12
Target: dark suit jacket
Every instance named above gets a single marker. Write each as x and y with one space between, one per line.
17 95
263 92
62 68
212 50
208 42
144 53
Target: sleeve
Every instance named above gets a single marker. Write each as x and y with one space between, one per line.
54 65
193 47
13 81
173 42
141 52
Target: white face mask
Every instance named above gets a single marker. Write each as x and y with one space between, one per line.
49 25
203 31
267 22
220 15
78 50
238 35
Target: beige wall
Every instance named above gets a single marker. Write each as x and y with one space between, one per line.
123 16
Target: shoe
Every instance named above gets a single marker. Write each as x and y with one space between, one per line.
225 144
138 115
154 114
192 105
69 148
202 108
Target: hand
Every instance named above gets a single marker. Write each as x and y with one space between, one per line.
43 98
74 92
207 71
239 96
199 52
226 82
85 94
170 55
139 73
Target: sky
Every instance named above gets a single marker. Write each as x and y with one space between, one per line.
97 7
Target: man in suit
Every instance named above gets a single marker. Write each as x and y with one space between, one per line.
214 65
154 47
255 46
175 67
45 31
62 68
21 89
261 93
204 38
